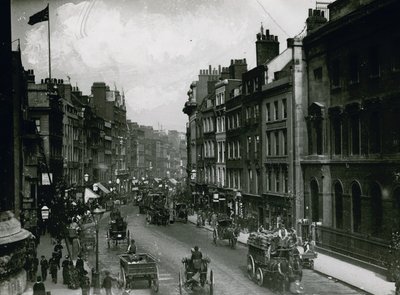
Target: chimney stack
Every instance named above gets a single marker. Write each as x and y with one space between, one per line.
316 18
267 47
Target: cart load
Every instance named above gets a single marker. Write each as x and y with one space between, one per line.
138 267
273 258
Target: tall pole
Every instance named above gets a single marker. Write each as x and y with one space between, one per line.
48 37
97 277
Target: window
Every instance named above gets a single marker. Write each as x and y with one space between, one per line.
284 142
238 149
335 74
233 150
318 74
237 120
284 109
285 181
277 180
337 136
374 67
276 110
256 111
375 133
277 152
248 146
256 143
250 179
269 179
268 143
229 150
267 112
37 123
354 69
355 134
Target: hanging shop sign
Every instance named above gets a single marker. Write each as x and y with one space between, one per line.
215 198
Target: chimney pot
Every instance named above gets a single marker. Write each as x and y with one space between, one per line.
310 12
267 33
276 38
322 13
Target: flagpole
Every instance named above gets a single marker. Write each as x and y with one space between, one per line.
48 37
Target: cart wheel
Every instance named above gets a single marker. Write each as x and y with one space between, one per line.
180 283
215 237
156 283
250 267
123 278
259 277
211 282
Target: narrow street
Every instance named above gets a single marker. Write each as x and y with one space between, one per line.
169 244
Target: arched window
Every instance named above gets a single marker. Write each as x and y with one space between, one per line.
315 201
356 203
339 205
376 208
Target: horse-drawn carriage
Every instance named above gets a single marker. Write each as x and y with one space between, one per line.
274 260
192 278
138 267
117 229
226 230
181 212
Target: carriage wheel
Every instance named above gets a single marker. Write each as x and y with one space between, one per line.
211 282
123 278
250 267
180 283
215 237
108 240
259 277
156 283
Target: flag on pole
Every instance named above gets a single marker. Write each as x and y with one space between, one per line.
40 16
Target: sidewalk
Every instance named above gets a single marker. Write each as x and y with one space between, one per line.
351 274
46 248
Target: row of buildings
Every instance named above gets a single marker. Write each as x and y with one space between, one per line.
74 141
309 135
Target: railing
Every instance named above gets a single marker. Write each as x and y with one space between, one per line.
366 249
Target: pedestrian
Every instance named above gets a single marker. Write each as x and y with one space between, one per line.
58 249
131 248
79 265
44 265
65 270
53 266
107 283
28 266
34 268
85 283
38 287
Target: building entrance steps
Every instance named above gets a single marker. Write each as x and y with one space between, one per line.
334 268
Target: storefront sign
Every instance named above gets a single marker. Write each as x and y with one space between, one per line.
45 178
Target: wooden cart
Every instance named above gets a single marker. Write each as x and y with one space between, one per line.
138 267
226 230
281 271
188 273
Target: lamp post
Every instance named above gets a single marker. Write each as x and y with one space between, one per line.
97 214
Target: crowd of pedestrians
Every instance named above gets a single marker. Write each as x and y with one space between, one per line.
73 276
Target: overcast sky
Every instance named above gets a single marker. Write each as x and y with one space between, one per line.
152 49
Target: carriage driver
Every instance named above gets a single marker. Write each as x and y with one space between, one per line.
196 258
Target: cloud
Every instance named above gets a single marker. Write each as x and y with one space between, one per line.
153 49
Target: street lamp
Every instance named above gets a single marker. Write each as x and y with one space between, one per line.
86 177
97 214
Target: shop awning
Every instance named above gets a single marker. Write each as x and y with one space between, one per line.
102 187
89 194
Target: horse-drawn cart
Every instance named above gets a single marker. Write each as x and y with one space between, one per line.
138 267
117 230
192 278
226 230
275 261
